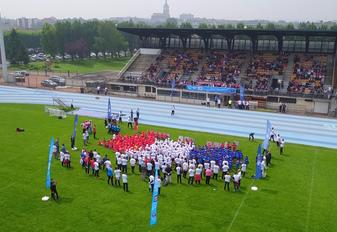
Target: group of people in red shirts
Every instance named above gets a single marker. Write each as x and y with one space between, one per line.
123 143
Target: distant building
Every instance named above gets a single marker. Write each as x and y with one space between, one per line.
186 17
161 17
22 23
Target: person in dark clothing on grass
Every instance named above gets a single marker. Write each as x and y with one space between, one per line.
53 190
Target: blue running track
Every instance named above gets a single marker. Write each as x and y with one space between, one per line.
296 129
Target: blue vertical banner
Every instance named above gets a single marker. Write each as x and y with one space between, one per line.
75 126
51 145
267 135
242 93
258 171
109 116
153 216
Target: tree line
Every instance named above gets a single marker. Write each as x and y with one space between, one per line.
81 39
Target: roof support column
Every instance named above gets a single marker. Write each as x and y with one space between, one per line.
254 43
230 43
306 44
280 43
183 41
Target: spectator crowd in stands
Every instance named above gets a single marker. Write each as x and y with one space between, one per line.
309 73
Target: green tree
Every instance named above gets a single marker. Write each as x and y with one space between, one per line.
259 26
290 26
203 26
270 26
240 26
186 25
171 23
16 51
48 40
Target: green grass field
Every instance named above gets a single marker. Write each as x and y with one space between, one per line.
82 66
298 194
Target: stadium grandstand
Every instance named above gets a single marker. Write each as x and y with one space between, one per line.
274 66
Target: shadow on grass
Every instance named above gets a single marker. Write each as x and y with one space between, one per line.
66 200
269 191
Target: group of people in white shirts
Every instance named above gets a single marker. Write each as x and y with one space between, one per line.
276 137
165 156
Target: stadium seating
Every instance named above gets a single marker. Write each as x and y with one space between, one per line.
308 75
229 69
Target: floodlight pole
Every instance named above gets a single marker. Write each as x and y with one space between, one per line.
3 53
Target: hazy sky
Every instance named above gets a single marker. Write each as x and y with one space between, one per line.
312 10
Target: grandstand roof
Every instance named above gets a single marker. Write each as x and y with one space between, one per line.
229 35
162 32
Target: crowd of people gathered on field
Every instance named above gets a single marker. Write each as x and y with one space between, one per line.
147 152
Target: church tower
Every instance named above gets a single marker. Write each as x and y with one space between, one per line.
166 11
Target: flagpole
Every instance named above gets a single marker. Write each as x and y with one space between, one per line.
3 53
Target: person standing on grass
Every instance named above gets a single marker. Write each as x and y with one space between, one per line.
191 173
87 164
225 169
106 162
149 166
129 122
198 173
84 139
178 169
185 169
208 175
206 166
227 181
53 190
168 172
243 169
125 182
133 164
236 180
124 164
96 167
282 146
119 162
94 130
251 136
268 158
216 171
66 160
55 152
143 171
151 183
159 184
87 135
117 177
109 174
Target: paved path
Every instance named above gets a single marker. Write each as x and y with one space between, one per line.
295 129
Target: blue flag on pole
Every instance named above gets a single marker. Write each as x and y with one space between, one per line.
153 216
109 116
51 145
267 135
75 125
258 171
242 93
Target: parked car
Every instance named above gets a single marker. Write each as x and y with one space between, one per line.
48 83
21 74
60 81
